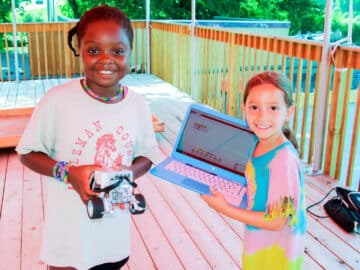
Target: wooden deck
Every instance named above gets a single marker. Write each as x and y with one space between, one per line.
178 231
17 101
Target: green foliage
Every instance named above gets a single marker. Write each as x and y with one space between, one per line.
34 15
340 24
5 11
304 15
163 9
20 40
262 9
75 8
343 5
181 9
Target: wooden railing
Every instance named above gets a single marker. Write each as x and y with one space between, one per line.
224 61
43 51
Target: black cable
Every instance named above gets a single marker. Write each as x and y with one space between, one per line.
316 203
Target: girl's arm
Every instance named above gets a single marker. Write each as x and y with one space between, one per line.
249 217
78 175
38 162
140 166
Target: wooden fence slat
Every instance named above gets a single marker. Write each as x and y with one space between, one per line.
333 129
354 141
314 115
343 123
305 102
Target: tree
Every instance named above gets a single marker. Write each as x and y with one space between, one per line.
304 15
75 8
5 10
340 25
343 5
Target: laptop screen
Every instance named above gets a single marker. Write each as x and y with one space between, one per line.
216 141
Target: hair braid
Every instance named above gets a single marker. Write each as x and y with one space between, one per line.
71 33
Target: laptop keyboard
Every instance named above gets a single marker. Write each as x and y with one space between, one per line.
232 191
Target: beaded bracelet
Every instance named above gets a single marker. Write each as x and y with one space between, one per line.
61 171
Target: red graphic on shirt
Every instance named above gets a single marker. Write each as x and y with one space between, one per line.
105 149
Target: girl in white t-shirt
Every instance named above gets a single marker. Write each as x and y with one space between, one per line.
84 125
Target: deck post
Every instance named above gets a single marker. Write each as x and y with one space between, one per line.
51 10
321 102
351 15
15 42
148 36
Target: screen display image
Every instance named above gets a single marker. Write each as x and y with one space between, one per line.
222 144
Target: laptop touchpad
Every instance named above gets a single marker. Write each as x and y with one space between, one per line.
199 187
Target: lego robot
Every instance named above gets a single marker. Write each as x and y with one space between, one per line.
115 189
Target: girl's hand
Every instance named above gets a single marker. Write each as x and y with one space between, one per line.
79 178
216 200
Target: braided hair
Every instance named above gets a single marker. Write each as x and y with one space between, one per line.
281 82
99 13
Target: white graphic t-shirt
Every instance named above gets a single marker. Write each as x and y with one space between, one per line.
68 125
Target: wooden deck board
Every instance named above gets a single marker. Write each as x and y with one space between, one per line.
208 221
171 226
32 220
17 101
314 196
200 234
178 231
140 257
156 241
11 216
3 168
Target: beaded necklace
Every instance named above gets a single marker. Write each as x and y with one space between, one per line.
112 99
